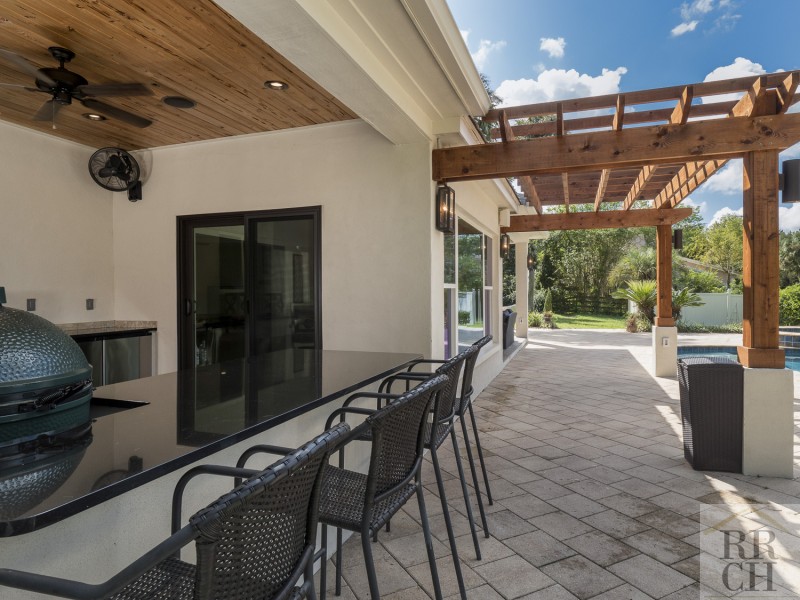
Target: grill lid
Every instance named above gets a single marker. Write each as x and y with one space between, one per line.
35 354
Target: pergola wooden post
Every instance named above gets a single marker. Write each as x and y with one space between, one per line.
664 276
760 273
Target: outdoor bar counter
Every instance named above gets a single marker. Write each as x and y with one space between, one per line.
114 505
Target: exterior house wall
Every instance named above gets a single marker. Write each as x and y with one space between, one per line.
55 228
376 227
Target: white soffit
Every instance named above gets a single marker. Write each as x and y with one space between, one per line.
372 57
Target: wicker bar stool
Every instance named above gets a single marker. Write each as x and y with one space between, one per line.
256 541
365 502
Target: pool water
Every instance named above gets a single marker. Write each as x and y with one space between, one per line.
792 354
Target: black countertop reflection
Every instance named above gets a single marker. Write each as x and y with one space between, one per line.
146 428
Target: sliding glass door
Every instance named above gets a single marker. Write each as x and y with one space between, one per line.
249 314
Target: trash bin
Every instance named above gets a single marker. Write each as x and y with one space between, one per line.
509 320
712 399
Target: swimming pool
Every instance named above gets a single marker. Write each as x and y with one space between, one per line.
792 354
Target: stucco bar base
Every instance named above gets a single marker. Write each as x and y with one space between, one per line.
768 444
665 354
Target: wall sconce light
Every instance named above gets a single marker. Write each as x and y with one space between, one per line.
790 180
531 260
445 208
505 245
677 239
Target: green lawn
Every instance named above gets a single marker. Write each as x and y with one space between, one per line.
589 321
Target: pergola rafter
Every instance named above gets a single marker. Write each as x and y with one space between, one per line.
658 146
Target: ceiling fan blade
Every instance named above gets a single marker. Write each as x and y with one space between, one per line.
20 87
48 111
117 113
115 89
23 64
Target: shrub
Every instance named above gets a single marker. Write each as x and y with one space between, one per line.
790 305
682 298
701 282
642 294
630 323
548 303
534 319
464 317
643 323
691 327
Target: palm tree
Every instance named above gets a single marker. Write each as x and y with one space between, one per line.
642 293
684 297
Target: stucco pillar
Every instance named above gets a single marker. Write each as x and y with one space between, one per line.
522 274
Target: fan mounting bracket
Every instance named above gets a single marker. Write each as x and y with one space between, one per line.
62 55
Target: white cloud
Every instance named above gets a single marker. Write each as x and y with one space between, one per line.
702 206
740 67
465 35
485 48
724 212
553 46
559 84
791 152
682 28
728 180
698 7
789 218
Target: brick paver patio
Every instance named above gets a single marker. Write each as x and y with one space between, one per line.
593 498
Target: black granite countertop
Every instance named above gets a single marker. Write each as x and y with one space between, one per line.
97 333
146 428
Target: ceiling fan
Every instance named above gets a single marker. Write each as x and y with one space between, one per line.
65 86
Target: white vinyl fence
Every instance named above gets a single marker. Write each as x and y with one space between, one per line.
719 309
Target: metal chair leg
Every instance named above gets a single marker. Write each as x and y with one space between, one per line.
308 583
369 563
465 491
323 567
474 473
446 512
426 530
338 561
480 454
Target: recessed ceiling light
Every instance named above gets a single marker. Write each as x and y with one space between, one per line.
276 85
178 102
93 117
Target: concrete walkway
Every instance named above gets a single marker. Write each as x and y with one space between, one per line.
593 498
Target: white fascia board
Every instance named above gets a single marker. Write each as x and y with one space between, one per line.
437 26
523 237
314 37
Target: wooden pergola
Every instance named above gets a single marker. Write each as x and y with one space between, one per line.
643 153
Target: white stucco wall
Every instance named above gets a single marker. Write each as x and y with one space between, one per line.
55 228
376 227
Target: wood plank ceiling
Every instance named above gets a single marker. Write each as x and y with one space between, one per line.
191 49
539 141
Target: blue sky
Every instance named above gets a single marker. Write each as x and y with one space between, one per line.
534 51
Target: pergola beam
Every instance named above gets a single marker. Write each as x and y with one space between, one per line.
635 147
601 188
607 219
641 180
525 182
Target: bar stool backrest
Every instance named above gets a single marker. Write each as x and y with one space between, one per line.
252 539
446 403
469 369
398 439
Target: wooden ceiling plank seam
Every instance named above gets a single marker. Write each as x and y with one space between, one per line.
607 219
601 189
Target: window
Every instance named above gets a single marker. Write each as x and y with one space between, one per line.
468 269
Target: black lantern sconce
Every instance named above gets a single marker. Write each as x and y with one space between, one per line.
505 245
445 208
531 260
677 239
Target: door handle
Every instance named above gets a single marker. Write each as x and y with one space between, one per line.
187 309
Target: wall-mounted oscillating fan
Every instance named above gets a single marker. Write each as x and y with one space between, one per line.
116 170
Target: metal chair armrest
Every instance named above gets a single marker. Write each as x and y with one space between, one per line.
262 449
377 395
341 412
177 495
77 590
386 384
